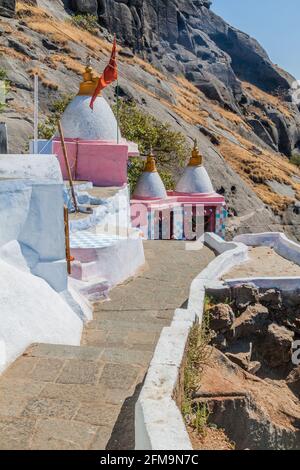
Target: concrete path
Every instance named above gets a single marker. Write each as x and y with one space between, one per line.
64 397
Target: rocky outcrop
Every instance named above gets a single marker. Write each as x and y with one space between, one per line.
7 8
254 413
186 36
89 7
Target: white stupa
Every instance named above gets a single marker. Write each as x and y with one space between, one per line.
195 179
150 185
79 121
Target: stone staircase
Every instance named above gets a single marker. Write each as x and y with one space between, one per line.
68 397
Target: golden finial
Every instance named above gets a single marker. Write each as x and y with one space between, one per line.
90 82
196 159
150 166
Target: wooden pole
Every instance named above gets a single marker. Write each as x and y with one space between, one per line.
67 237
67 165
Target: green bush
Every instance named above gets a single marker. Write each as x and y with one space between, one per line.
295 159
170 147
87 22
48 128
5 86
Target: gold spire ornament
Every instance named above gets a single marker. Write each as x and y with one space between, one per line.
196 159
150 166
90 81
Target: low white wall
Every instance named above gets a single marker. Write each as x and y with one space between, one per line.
278 241
281 283
116 263
159 424
114 212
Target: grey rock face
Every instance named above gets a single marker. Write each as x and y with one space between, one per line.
185 36
7 8
85 6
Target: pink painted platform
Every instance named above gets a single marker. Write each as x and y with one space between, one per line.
104 163
146 212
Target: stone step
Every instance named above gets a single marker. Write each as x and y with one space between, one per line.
61 351
122 326
84 271
120 355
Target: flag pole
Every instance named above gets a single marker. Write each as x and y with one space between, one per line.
118 102
36 114
118 107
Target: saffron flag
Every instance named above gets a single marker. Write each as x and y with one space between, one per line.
109 75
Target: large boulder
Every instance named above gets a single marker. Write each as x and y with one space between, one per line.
254 321
7 8
221 317
244 295
276 347
272 299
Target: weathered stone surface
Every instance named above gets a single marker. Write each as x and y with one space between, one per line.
272 298
240 353
79 372
15 433
276 348
244 295
221 317
119 376
85 6
253 321
48 408
7 8
59 434
255 414
293 381
102 415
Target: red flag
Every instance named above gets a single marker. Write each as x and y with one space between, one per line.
109 75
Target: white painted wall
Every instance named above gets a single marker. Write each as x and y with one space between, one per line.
32 251
158 421
31 211
32 312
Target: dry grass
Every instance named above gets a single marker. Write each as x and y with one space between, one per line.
148 68
70 64
44 81
267 98
187 86
9 52
257 169
7 28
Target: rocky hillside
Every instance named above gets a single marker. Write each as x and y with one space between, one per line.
185 65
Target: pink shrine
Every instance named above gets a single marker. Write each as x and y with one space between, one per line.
193 208
98 153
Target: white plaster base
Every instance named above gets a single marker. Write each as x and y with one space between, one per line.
32 312
114 263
